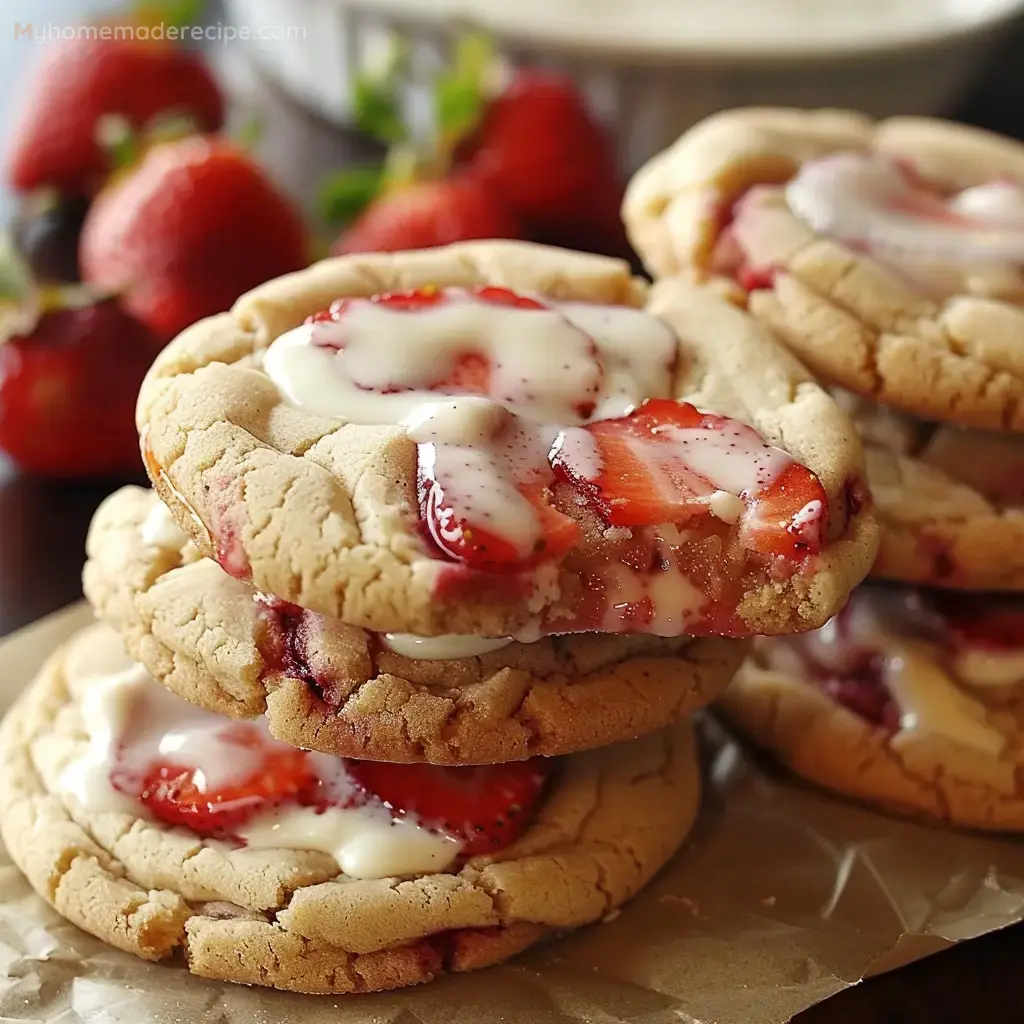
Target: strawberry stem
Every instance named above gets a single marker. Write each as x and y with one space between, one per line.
115 135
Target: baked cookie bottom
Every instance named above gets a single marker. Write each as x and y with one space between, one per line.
928 777
285 918
944 346
205 637
326 515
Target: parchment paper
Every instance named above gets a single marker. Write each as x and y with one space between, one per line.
782 898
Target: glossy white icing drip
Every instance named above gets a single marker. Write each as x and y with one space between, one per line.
733 459
442 648
132 722
923 681
869 200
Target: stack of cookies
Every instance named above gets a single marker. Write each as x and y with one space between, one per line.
888 256
396 661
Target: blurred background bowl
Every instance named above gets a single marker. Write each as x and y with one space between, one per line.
651 68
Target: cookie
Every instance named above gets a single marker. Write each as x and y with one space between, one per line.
950 500
887 255
284 917
497 504
344 691
910 701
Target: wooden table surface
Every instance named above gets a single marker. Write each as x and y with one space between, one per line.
43 526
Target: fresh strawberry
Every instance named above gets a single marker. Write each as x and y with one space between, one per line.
485 807
647 474
68 390
541 153
172 794
81 80
182 236
427 214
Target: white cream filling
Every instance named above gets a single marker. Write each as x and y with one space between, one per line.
132 722
442 648
931 703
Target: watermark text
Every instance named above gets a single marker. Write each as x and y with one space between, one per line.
218 32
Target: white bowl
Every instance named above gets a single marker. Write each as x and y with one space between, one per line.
651 68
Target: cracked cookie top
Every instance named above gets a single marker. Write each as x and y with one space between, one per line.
327 686
930 685
99 762
889 255
496 439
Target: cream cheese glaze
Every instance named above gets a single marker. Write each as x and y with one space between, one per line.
928 680
442 648
870 200
132 723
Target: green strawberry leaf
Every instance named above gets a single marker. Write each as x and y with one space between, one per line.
459 93
16 280
249 133
118 139
377 93
173 13
376 109
346 194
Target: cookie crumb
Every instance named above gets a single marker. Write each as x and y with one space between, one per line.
610 916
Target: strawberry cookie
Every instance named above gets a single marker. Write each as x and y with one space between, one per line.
335 688
500 440
889 256
950 500
172 833
910 700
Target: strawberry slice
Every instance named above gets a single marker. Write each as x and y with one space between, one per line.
640 478
485 807
461 539
175 795
788 517
471 376
661 463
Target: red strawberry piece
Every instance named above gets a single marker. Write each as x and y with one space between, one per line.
171 793
642 476
539 150
975 620
460 538
640 479
195 225
788 517
68 391
428 214
79 81
486 807
867 697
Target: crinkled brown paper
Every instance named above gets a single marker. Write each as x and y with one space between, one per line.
782 898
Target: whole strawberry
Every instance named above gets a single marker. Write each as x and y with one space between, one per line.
187 231
79 81
541 153
426 214
68 386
